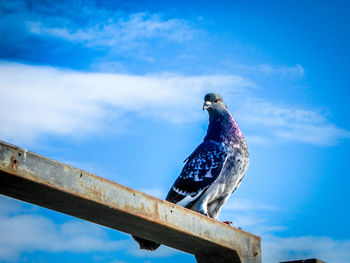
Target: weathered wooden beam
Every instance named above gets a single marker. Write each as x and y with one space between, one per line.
39 180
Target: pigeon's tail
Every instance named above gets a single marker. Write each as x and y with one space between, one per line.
146 244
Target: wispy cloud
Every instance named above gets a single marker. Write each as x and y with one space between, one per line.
239 204
290 123
92 26
46 100
268 70
31 232
243 213
24 230
118 31
161 252
51 101
252 216
112 35
277 249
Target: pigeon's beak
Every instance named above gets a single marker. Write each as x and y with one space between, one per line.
206 105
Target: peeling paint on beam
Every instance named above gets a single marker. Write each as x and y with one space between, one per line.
39 180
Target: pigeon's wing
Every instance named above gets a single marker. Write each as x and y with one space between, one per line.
202 168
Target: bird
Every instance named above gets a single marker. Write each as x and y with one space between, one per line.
214 170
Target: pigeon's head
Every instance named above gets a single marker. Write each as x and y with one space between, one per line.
214 102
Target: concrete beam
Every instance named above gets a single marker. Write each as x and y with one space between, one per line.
39 180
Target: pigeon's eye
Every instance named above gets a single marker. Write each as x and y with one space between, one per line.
216 100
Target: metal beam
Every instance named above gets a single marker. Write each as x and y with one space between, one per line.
39 180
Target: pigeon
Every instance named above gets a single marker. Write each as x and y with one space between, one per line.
214 170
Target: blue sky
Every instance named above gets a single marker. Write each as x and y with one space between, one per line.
116 89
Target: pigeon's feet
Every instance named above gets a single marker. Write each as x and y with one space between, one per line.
202 211
206 214
230 223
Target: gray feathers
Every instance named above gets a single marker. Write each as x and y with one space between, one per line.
215 168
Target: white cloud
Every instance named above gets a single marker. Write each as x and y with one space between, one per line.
282 70
43 100
31 232
23 230
290 123
113 30
242 212
241 204
118 261
269 70
8 206
47 101
277 249
161 252
108 32
252 216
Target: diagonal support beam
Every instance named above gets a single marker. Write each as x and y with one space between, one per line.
38 180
